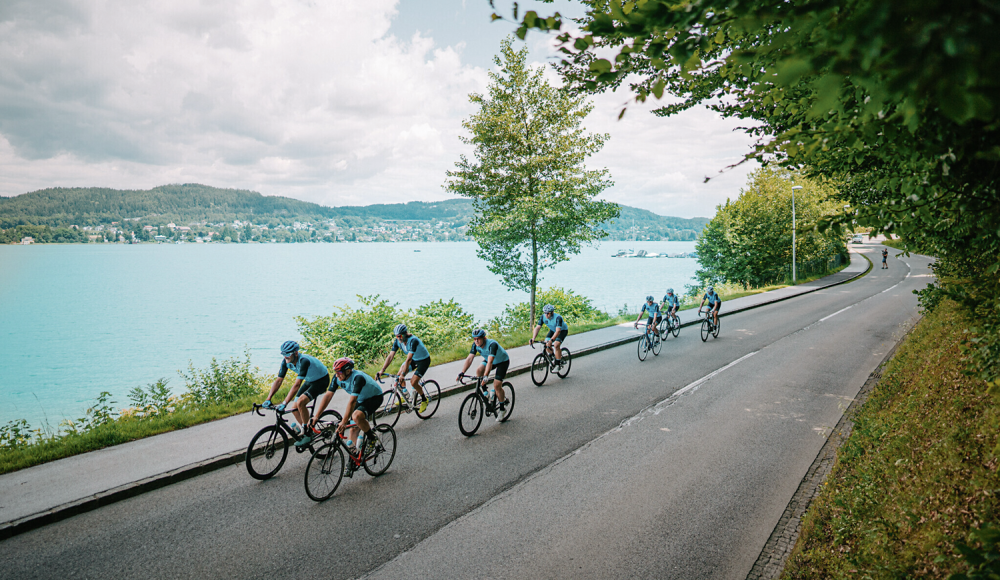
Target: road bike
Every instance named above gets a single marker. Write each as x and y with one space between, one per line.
269 447
334 461
397 401
650 341
483 401
546 361
708 326
669 325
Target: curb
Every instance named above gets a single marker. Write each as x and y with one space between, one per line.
123 492
785 536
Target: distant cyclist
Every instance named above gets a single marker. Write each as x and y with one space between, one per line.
558 329
312 380
885 256
670 304
653 310
417 358
494 358
714 304
366 398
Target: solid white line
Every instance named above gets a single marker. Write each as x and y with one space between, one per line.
836 313
889 288
713 373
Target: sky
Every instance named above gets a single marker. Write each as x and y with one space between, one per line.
331 101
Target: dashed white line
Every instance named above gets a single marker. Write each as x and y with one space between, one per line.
837 312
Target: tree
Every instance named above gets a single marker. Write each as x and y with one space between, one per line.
897 101
749 241
534 199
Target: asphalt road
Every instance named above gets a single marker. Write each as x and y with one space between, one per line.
610 472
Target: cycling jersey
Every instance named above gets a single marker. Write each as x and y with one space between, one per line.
491 348
652 310
308 368
414 345
555 323
360 385
671 301
712 298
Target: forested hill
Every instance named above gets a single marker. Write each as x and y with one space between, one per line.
194 203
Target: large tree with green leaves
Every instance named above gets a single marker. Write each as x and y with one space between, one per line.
897 101
535 200
749 241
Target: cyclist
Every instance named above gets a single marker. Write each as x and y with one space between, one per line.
714 304
366 398
312 379
417 358
654 314
670 304
494 358
558 329
885 256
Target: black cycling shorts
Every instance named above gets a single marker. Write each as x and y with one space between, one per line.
420 366
371 405
716 307
315 388
560 336
501 370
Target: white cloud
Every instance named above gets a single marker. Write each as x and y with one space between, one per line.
313 100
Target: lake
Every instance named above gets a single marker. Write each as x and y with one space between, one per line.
76 320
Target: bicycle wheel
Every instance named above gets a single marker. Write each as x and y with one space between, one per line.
675 327
327 423
391 409
715 329
375 463
433 393
324 471
470 415
643 348
567 359
508 393
663 328
539 370
706 326
656 344
267 452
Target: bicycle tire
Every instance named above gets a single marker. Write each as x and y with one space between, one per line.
663 328
433 393
539 370
655 344
325 471
705 328
261 461
643 348
376 463
567 358
676 327
509 396
328 421
716 328
470 414
391 410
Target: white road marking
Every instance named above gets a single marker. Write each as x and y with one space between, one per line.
836 313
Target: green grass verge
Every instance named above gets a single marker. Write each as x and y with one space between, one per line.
918 473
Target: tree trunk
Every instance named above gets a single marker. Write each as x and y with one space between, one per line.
534 279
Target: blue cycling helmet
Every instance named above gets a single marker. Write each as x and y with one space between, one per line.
548 308
399 330
289 347
649 298
670 290
479 333
711 290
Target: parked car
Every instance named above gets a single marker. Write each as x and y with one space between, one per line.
858 239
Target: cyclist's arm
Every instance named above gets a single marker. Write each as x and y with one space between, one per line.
534 333
406 365
348 411
489 366
274 387
293 390
388 359
468 362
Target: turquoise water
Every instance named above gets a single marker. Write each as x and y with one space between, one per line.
79 319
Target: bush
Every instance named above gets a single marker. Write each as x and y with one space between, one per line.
225 382
573 308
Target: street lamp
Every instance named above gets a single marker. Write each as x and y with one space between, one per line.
794 187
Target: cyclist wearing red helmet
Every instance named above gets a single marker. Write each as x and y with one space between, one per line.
366 398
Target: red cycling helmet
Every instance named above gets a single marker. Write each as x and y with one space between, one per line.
343 365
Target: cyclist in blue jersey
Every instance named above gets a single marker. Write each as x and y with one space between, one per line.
417 358
312 379
494 358
714 303
653 310
365 399
558 329
670 304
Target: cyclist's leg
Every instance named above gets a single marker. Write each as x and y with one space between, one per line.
500 371
548 342
715 312
419 368
557 341
307 392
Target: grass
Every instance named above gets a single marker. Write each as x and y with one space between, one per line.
918 473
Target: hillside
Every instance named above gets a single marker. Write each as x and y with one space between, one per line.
191 204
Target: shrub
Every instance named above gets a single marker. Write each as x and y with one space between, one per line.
223 382
572 307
